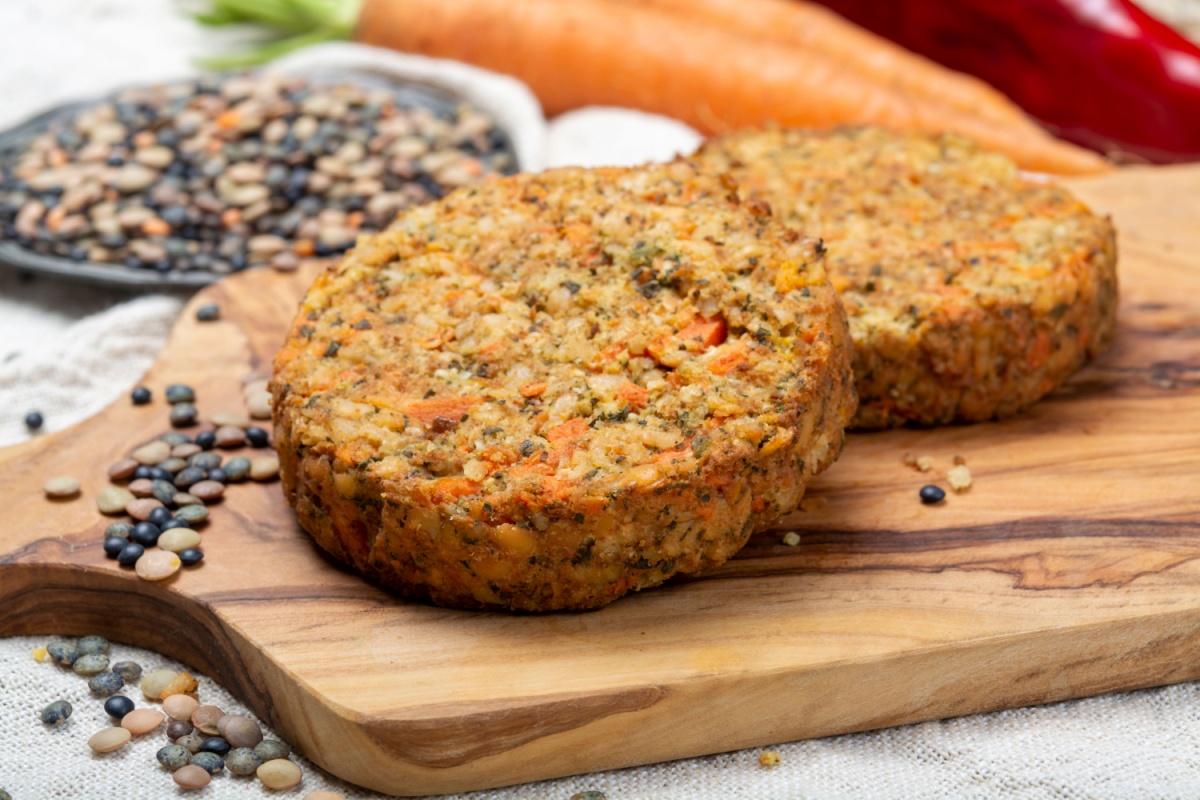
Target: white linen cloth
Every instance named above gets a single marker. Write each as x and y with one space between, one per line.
70 350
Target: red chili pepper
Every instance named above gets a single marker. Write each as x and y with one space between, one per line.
1101 73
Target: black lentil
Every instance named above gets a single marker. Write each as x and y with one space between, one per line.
118 706
257 437
34 420
173 757
141 473
931 494
209 312
113 546
141 395
106 683
191 556
178 728
56 713
145 534
215 744
130 554
174 522
158 516
219 475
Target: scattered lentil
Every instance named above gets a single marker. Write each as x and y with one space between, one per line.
122 470
158 516
152 453
113 546
180 393
61 486
173 757
112 500
233 419
130 554
931 494
259 405
174 438
64 653
237 469
205 719
183 415
119 529
229 437
191 556
205 461
141 487
155 681
109 739
186 450
34 420
215 744
130 671
279 773
211 762
323 795
106 684
178 540
209 312
207 490
185 499
141 508
192 515
140 395
271 749
257 437
218 475
243 761
264 468
90 664
206 439
141 721
191 741
241 731
172 465
56 713
146 534
180 708
93 645
187 477
192 776
157 565
118 706
178 728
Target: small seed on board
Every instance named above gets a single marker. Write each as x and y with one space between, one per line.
157 565
61 487
113 500
109 739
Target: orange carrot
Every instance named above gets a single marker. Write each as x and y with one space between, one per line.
448 489
814 27
633 394
433 408
598 52
567 432
709 332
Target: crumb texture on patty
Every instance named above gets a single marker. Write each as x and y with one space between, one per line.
971 292
545 391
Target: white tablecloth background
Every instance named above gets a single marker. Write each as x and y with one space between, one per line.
69 350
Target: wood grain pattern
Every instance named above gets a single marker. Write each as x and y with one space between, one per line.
1071 568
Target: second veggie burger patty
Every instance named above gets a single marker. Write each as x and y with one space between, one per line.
549 390
971 292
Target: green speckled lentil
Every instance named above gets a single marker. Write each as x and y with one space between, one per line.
270 749
210 762
163 491
243 761
172 465
180 393
183 415
205 461
64 653
93 645
119 529
130 671
591 794
56 713
183 499
90 664
192 514
106 684
174 438
173 756
192 741
237 469
5 795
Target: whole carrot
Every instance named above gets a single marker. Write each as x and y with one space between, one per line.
816 28
597 52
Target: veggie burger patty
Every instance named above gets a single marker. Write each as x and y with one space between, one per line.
971 292
549 390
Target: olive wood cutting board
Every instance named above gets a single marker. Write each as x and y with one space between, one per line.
1070 568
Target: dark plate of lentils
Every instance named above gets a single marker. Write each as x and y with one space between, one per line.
177 184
